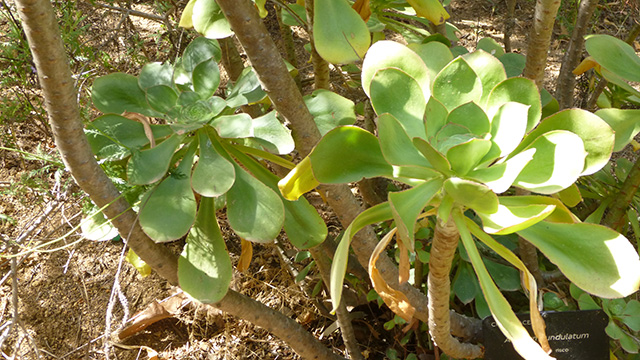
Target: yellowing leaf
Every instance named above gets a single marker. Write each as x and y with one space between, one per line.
143 268
430 9
246 254
396 300
362 7
340 35
587 64
261 10
186 19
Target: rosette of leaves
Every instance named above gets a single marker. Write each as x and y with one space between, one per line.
200 148
459 133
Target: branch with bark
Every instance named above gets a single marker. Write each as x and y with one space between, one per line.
54 75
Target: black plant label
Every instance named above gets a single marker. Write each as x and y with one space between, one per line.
572 335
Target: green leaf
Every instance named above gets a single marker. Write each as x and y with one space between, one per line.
161 98
254 210
246 90
272 134
457 84
595 258
508 127
466 156
510 219
206 78
233 126
390 54
114 137
168 211
625 123
500 177
394 91
209 20
289 19
374 214
557 163
213 175
117 93
631 315
330 110
471 117
615 55
596 134
506 277
407 205
437 160
155 73
504 316
339 33
365 157
472 195
435 117
490 46
489 69
200 50
204 267
302 223
149 166
465 286
519 90
513 63
435 56
96 227
396 145
561 213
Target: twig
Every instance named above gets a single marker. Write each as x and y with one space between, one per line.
115 291
158 18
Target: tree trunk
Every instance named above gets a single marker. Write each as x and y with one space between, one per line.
539 40
566 80
54 75
510 23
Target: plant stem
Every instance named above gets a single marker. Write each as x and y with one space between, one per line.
510 22
289 46
443 249
566 80
320 66
539 39
617 211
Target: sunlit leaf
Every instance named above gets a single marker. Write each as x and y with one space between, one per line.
390 54
466 156
436 159
509 219
519 90
500 177
434 54
435 116
204 267
396 145
430 9
471 194
200 50
489 69
394 91
209 20
597 136
471 117
508 127
595 258
272 134
557 163
614 55
330 110
625 123
339 33
155 73
233 126
457 84
246 90
365 157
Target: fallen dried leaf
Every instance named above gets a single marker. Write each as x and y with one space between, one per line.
246 254
153 313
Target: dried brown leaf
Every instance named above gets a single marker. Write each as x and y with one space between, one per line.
362 8
245 255
153 313
396 300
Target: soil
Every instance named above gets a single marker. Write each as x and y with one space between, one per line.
65 288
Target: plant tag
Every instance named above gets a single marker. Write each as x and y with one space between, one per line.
573 335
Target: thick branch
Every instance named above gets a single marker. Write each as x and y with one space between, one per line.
566 79
539 39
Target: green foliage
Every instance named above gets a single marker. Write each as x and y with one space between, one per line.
201 147
482 133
